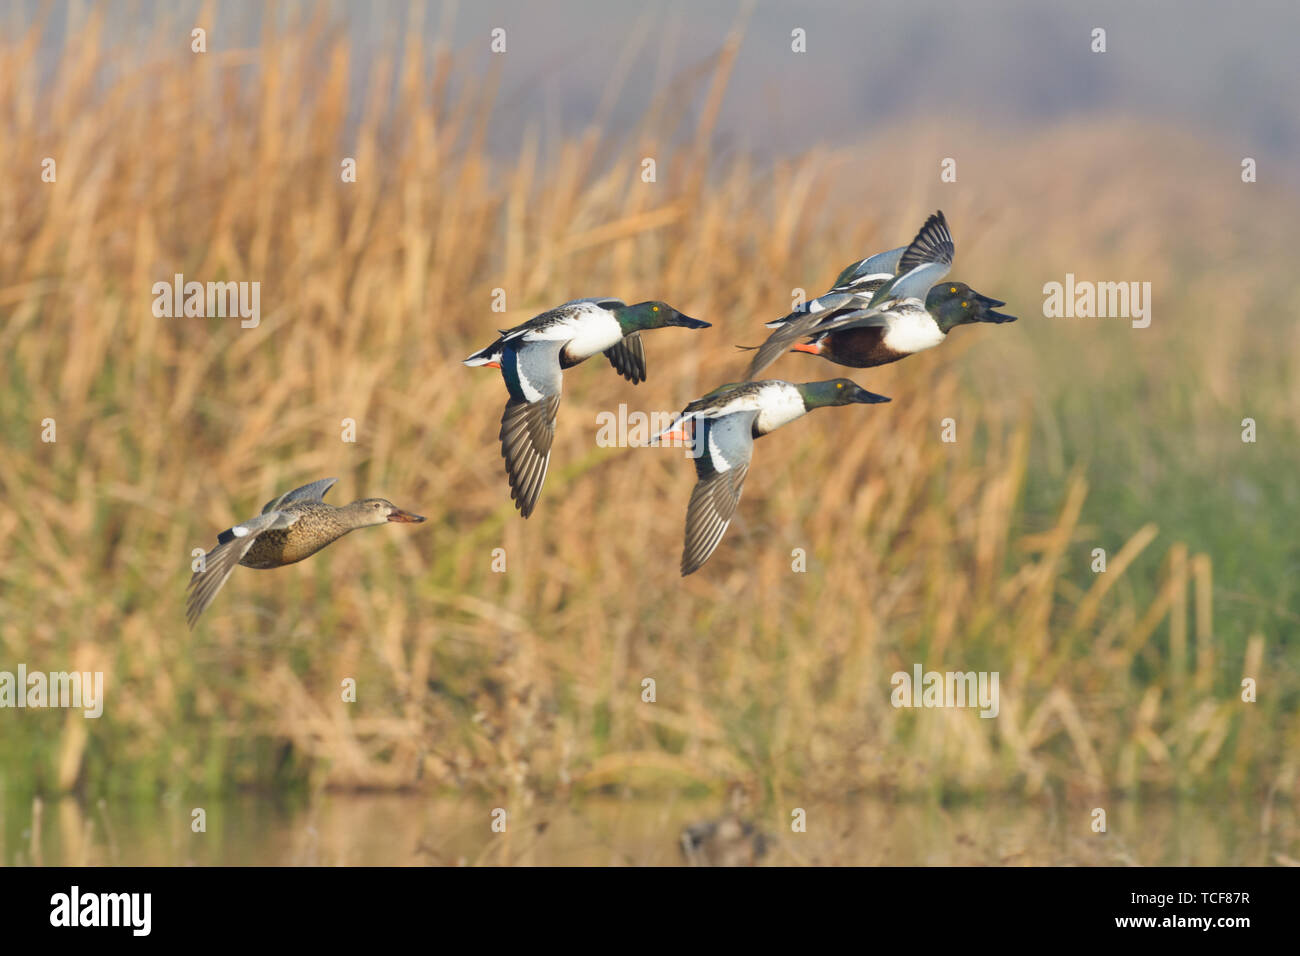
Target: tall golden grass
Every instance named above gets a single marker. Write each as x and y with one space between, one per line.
530 681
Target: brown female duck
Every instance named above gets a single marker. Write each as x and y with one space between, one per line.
291 527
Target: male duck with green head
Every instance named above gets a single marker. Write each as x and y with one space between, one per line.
533 355
721 428
884 308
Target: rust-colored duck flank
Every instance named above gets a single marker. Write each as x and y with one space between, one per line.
291 527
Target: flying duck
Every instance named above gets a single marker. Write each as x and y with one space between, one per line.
884 308
721 428
533 355
291 527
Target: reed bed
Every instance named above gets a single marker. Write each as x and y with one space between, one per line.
971 555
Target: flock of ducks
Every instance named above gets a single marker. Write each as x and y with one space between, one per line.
880 309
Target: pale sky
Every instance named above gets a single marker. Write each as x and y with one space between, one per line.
1229 69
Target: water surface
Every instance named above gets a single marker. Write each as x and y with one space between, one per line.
417 830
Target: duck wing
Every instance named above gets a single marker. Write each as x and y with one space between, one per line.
724 447
607 302
232 545
532 369
926 260
628 358
312 492
779 342
880 266
799 324
534 379
829 302
933 245
527 430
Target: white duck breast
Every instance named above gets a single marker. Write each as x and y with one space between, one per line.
780 404
911 329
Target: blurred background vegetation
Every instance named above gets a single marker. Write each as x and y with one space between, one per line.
523 688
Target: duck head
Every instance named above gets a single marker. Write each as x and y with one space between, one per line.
654 315
836 391
372 511
955 303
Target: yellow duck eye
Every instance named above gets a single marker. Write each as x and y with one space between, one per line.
655 308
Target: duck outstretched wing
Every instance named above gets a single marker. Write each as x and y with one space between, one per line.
312 492
724 447
628 358
232 545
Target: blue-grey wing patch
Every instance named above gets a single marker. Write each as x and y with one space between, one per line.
724 447
604 301
232 545
881 264
913 285
312 492
833 301
532 369
628 358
